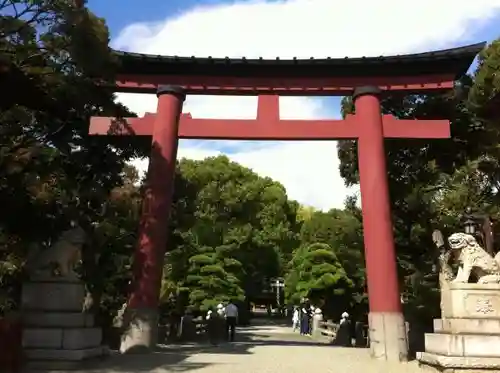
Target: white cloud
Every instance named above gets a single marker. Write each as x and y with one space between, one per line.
301 28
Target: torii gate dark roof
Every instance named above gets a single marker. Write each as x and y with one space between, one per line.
455 60
332 75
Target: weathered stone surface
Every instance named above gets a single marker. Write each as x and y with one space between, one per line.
64 253
42 338
74 338
467 326
57 334
64 338
57 319
140 330
480 301
384 329
463 345
62 365
473 364
47 296
65 355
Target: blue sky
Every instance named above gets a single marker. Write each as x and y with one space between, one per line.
288 28
121 13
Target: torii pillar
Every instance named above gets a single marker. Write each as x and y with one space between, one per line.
387 329
141 316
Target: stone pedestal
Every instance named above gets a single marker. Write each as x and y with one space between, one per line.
57 334
467 338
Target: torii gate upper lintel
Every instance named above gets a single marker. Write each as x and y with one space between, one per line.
367 125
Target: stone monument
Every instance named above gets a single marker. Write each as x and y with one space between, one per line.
58 332
467 337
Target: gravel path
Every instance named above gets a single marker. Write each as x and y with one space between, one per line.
258 349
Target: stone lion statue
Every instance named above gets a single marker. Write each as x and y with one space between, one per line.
472 259
64 254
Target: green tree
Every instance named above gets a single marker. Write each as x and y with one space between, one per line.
225 214
341 230
319 276
210 282
51 171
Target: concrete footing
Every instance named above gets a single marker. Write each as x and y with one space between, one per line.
140 332
387 333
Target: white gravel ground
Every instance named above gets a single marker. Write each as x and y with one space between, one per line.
261 349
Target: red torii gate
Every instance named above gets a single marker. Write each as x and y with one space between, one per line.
416 73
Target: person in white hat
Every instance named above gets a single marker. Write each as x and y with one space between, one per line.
344 317
220 310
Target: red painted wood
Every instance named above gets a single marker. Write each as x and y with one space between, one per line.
415 128
268 126
148 258
252 129
268 108
380 256
11 357
292 86
123 126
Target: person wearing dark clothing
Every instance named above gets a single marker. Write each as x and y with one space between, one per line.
343 337
213 325
305 320
231 313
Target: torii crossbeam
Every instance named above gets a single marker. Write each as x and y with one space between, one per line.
269 126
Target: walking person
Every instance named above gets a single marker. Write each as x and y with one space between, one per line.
212 326
312 309
296 319
231 312
305 319
221 328
220 310
343 337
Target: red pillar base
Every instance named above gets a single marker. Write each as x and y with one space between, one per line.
141 330
388 337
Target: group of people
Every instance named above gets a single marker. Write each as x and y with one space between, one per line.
223 320
302 318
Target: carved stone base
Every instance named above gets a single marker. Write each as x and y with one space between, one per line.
387 333
61 338
467 339
463 345
467 326
457 364
473 301
57 335
53 296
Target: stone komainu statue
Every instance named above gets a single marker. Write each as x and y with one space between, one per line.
472 260
61 258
